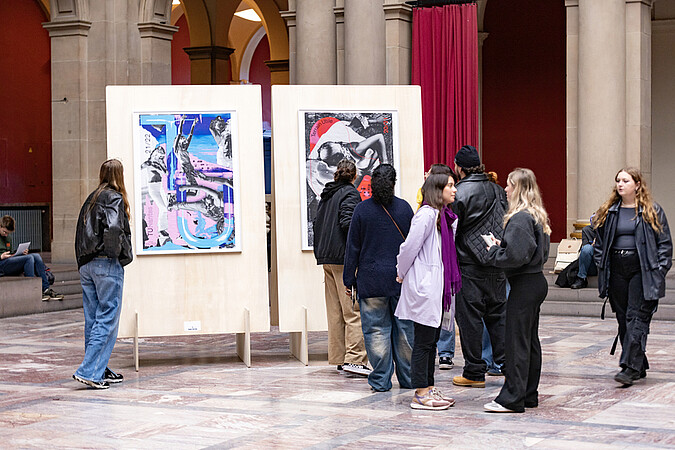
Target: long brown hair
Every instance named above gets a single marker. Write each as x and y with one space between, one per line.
111 176
643 198
432 192
526 197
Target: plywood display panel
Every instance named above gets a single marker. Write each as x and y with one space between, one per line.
196 293
300 279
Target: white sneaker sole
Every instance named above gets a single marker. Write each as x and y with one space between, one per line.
361 372
91 384
414 405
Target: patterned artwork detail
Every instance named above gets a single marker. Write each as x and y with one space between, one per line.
367 138
186 194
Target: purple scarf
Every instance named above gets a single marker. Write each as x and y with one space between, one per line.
452 278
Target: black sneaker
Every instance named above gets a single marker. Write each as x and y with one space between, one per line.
112 377
579 283
357 369
51 294
92 384
627 376
445 363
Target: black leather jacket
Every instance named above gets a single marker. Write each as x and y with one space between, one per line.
480 206
103 230
655 251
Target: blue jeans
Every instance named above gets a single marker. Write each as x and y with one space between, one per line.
586 264
388 341
30 265
446 343
102 280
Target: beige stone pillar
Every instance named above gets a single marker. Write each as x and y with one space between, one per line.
572 12
638 86
289 17
156 52
398 38
601 100
210 64
69 133
315 42
339 12
278 71
365 44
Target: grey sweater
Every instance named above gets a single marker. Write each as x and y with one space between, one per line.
524 248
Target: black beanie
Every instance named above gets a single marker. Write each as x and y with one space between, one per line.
467 156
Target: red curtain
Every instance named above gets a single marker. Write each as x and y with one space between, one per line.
445 65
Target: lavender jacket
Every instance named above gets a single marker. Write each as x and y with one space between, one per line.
421 267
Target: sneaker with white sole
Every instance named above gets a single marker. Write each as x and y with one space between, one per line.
445 363
357 369
112 377
428 401
441 395
92 384
493 406
51 294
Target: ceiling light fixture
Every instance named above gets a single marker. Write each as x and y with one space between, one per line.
248 14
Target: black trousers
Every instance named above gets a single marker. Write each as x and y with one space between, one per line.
423 361
633 312
481 299
522 368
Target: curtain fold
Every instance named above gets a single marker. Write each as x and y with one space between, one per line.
445 65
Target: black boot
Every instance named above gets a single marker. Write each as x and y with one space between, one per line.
627 376
579 283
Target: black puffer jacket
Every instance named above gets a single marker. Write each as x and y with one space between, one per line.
103 230
333 216
655 251
480 206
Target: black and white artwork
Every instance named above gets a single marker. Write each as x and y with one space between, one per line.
369 138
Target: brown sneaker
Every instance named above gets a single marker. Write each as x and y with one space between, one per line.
461 381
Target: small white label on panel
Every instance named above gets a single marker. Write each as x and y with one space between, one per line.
194 325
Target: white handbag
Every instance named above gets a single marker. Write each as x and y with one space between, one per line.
568 252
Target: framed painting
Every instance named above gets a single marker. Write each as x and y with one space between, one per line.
369 138
186 182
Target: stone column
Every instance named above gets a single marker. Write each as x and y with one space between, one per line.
289 17
210 64
315 42
278 71
572 12
601 101
69 131
156 52
339 12
365 44
398 32
638 86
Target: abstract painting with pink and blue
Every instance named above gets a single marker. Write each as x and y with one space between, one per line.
187 183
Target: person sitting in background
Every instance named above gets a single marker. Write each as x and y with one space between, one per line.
587 266
30 264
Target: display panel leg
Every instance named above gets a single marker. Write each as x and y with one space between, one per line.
136 341
299 341
244 340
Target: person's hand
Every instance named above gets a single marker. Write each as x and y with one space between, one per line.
25 252
5 255
399 279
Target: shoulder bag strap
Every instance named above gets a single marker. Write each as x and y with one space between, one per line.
392 219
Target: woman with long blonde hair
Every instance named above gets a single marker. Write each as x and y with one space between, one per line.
102 249
633 251
522 254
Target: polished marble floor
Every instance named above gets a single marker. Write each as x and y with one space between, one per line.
193 392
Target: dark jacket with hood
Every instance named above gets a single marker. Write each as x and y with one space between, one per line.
480 205
103 230
333 216
655 251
